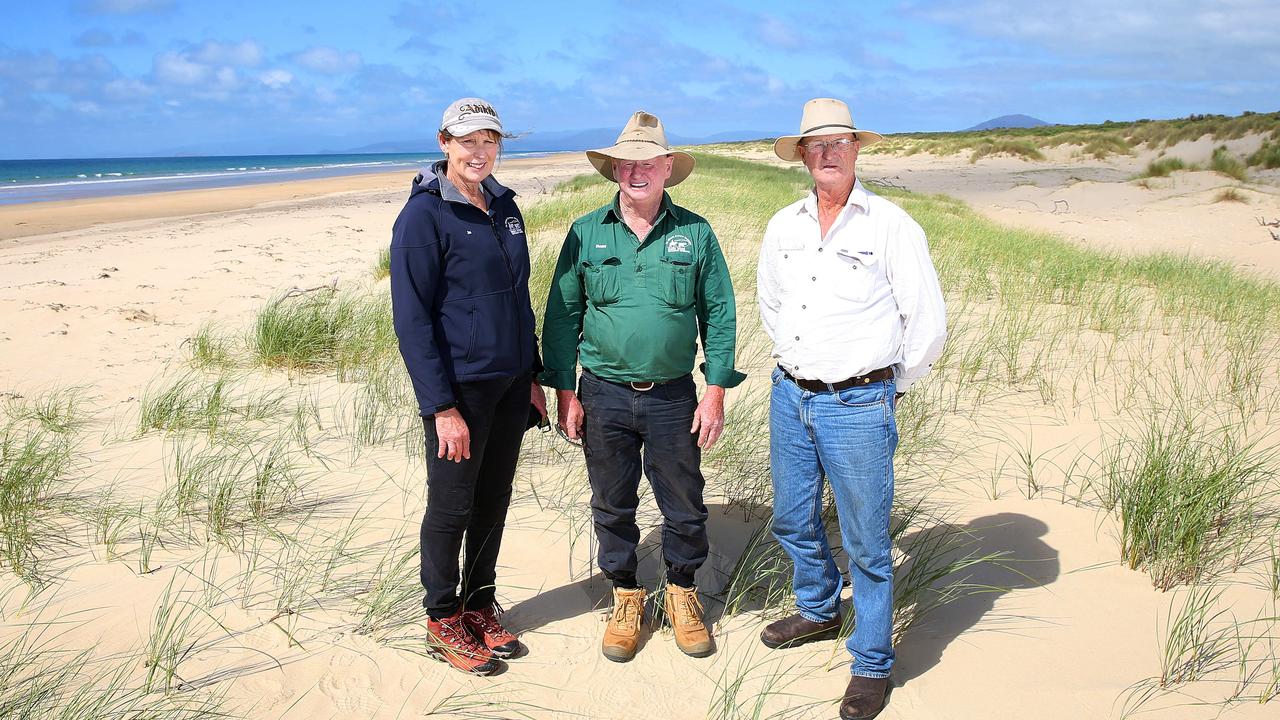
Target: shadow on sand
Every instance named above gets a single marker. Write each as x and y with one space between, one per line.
1026 562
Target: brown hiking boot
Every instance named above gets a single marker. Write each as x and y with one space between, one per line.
795 630
450 639
863 698
485 625
684 612
622 634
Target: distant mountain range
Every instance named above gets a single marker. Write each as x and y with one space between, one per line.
562 141
1008 121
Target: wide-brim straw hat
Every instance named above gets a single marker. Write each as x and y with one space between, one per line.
642 139
822 116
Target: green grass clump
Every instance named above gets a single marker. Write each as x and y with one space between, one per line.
1163 167
1267 156
1230 195
1104 145
322 330
1188 499
38 440
382 268
1223 163
34 465
195 402
209 348
1018 148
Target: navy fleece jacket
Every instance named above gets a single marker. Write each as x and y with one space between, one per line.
460 289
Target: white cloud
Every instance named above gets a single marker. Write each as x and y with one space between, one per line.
173 68
245 53
125 90
327 60
276 79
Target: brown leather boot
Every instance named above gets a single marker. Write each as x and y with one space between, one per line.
795 630
863 698
684 612
622 634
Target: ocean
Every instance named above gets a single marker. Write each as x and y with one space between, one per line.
23 181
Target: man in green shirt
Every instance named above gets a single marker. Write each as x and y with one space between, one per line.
638 282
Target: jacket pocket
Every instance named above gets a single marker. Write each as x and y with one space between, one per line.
471 336
603 285
677 283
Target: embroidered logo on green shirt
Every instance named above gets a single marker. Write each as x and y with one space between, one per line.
678 243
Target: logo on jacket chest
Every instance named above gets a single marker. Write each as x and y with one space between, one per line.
513 226
678 244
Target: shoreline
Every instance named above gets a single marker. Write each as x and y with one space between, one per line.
24 221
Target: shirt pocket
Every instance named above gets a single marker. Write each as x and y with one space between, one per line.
856 272
675 282
602 281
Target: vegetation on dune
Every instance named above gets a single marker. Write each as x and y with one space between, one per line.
1095 140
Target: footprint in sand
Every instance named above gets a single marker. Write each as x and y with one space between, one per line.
350 688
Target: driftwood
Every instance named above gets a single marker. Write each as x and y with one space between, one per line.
1269 223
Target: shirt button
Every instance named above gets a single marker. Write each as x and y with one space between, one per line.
804 307
797 337
819 249
785 256
814 278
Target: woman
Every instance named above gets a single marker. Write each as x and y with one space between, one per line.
460 301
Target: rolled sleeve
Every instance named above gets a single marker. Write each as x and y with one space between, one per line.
920 304
717 317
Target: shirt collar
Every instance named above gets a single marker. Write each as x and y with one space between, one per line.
448 191
858 197
614 213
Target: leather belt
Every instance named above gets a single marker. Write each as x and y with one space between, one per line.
857 381
641 386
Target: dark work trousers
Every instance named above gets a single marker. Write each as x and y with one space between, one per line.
622 425
470 498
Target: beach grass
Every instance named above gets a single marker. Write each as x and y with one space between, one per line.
1267 156
1224 163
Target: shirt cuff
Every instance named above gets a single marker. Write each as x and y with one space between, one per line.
558 379
725 377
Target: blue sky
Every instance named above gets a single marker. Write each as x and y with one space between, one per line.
127 77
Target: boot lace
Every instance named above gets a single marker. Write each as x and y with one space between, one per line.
488 620
687 606
454 633
626 612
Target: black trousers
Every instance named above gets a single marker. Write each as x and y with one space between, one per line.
624 431
468 501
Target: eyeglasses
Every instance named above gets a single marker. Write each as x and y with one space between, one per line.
818 147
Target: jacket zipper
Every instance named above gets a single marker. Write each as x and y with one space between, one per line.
506 257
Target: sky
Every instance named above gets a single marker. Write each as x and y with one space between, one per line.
90 78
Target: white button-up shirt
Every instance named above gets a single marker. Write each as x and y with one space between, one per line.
863 298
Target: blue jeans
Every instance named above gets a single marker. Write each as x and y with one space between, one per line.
849 437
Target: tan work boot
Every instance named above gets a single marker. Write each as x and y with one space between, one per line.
622 634
684 612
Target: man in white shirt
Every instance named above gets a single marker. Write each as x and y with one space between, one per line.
850 298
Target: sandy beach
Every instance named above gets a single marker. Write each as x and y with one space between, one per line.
105 294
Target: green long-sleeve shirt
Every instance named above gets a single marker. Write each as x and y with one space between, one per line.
632 311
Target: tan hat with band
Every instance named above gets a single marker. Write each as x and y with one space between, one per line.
822 116
642 139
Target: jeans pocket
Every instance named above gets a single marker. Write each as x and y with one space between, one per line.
776 376
865 396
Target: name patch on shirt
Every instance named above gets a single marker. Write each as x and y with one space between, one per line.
678 244
513 226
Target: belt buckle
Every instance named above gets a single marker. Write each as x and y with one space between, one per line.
636 386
